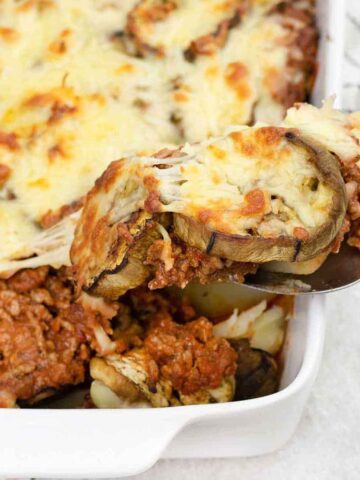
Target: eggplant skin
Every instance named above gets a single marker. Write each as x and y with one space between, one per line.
257 373
260 249
105 243
306 267
129 271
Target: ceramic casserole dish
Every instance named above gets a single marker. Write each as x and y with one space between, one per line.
115 443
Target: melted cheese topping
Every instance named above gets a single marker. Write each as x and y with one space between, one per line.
335 130
231 176
235 86
183 23
72 100
227 184
15 232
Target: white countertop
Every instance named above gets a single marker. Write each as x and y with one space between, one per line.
326 445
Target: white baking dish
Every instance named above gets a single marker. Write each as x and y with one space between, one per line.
115 443
331 21
104 443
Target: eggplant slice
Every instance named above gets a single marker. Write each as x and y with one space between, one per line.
257 374
293 212
257 194
126 376
114 232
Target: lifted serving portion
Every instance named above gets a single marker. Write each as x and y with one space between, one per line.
210 210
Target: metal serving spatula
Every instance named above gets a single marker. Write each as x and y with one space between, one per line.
339 271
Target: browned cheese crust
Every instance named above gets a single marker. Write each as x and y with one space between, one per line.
145 16
151 31
299 247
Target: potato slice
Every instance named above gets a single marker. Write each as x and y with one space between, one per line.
298 268
263 326
103 397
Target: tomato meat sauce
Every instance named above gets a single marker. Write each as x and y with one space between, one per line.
45 337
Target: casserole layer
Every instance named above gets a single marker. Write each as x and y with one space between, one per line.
74 98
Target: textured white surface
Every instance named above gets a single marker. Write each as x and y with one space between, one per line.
326 445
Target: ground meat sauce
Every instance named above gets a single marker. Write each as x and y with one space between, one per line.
304 40
45 338
186 354
191 263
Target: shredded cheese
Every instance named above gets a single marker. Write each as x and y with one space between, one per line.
166 254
